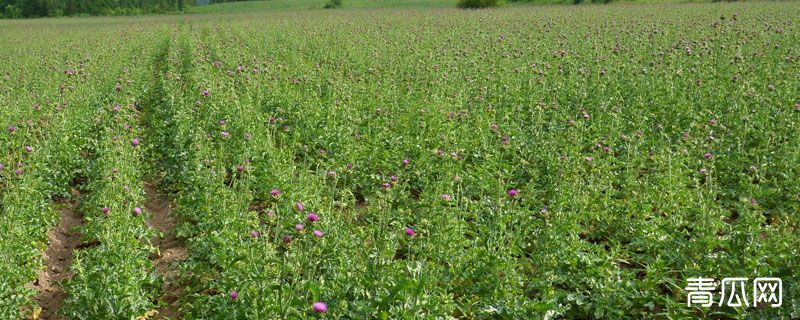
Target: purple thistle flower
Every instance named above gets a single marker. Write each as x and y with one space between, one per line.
234 295
708 155
318 233
225 134
137 211
312 217
275 192
240 168
506 140
406 162
105 210
287 239
126 188
394 178
703 171
513 193
753 201
19 172
11 129
494 126
319 307
386 185
349 166
446 197
300 207
205 93
298 227
28 149
254 234
712 122
588 159
135 142
2 167
410 232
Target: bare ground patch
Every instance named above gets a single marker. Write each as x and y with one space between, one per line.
171 249
61 243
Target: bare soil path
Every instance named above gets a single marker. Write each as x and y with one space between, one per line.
61 243
171 249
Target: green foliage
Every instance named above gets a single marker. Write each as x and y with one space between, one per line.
600 118
477 4
55 8
333 4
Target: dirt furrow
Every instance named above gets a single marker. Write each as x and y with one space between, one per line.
171 249
62 241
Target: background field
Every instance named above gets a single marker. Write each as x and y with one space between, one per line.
560 162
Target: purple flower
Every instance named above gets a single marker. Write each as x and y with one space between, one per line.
105 210
11 129
298 227
708 155
406 162
2 167
312 217
394 178
275 192
493 126
254 234
137 211
234 295
318 233
586 116
446 197
506 140
386 185
18 172
205 93
797 106
410 232
712 122
588 159
126 188
753 168
513 193
349 166
753 201
135 142
300 207
225 134
287 239
28 149
703 170
240 168
319 307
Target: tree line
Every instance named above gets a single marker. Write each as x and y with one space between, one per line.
57 8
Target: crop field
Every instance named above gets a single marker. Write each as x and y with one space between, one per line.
526 162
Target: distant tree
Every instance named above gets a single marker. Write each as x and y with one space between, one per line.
333 4
477 4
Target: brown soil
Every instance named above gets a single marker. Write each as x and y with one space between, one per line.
61 242
171 249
